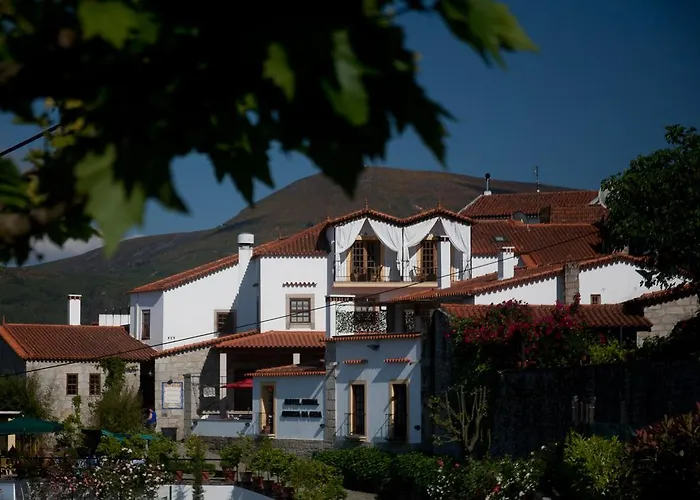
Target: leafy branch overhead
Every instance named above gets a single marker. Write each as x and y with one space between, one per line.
137 83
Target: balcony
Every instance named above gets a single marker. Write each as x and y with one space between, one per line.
351 322
396 427
355 425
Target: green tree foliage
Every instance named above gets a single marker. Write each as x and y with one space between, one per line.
119 409
137 83
654 207
26 394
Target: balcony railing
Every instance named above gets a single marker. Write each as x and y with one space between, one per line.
348 322
369 274
355 425
266 423
397 426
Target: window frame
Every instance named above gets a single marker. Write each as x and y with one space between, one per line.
598 300
392 407
145 332
300 324
91 384
350 261
352 420
432 242
231 320
69 384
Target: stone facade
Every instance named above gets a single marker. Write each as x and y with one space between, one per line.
299 447
330 421
665 316
571 282
53 375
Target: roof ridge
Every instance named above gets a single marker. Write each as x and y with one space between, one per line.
60 325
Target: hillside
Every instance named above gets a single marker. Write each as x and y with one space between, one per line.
37 293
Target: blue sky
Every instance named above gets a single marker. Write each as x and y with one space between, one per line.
608 77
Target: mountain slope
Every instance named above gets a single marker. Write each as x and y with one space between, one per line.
37 293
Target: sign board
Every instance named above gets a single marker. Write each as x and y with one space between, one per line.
173 395
209 392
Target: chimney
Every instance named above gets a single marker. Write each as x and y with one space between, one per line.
296 358
506 263
571 282
74 309
444 270
245 250
487 191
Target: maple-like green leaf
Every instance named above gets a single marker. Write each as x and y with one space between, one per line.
350 100
277 69
114 21
109 203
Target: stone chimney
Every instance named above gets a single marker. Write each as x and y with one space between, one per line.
74 309
245 250
571 282
506 263
296 358
444 270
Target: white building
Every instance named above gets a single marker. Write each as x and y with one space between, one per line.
358 282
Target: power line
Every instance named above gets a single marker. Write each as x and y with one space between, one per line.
325 306
30 140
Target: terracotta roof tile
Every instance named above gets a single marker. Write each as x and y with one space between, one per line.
290 371
542 243
310 242
297 339
73 342
355 361
581 214
505 205
373 336
173 351
594 316
397 360
664 296
426 214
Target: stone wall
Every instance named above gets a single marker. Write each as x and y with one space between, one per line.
52 375
571 282
534 407
330 417
665 316
299 447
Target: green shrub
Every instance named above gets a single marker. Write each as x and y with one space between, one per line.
410 474
607 352
231 455
665 458
596 466
314 480
364 468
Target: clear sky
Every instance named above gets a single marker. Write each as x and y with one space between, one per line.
609 76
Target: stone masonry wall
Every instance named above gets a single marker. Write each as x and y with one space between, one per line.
571 282
201 365
665 316
330 420
299 447
52 375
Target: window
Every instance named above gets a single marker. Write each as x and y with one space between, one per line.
366 261
299 311
428 260
595 299
225 322
146 324
71 384
357 409
398 419
95 384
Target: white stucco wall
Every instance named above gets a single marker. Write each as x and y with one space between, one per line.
153 301
378 376
297 387
540 292
275 272
615 283
487 264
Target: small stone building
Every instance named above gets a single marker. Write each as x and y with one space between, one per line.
65 359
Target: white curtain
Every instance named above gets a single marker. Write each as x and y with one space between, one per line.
390 236
458 234
345 236
412 235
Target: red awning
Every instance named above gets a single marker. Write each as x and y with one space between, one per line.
241 384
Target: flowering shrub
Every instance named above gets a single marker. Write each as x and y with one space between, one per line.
443 485
516 479
509 334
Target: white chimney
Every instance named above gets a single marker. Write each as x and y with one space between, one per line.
444 269
296 358
74 309
487 191
506 263
245 250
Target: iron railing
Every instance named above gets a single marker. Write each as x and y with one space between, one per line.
356 426
397 426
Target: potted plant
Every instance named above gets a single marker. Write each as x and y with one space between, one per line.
261 464
280 464
231 456
247 456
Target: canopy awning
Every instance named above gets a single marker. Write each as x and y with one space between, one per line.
246 383
24 426
122 437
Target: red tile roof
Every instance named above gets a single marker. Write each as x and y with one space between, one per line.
505 205
543 243
204 344
373 336
296 339
581 214
397 360
664 296
290 371
355 361
427 214
594 316
34 342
